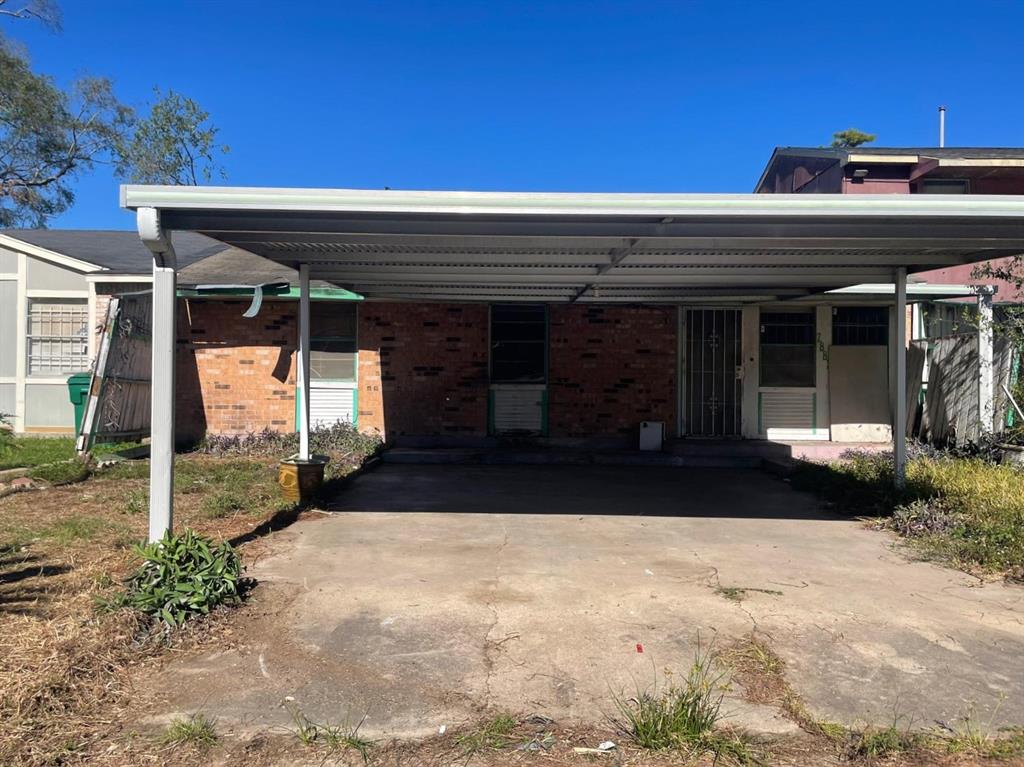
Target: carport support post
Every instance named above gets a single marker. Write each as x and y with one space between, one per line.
986 383
161 447
899 417
304 362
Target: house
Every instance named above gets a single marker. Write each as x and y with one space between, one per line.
907 170
61 282
54 287
577 318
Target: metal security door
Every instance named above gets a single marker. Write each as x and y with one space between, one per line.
714 359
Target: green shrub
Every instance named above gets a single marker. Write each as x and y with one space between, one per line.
183 576
340 440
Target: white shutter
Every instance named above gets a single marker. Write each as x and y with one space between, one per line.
518 408
331 402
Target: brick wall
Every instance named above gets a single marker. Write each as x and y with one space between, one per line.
423 369
610 368
235 375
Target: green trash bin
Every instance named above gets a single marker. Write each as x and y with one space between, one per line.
78 391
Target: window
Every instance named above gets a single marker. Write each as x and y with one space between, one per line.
58 336
332 341
519 340
787 348
860 326
942 320
942 186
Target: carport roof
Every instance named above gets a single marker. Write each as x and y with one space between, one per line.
557 247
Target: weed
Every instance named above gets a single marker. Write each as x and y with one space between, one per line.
734 746
966 512
875 743
981 738
333 737
493 734
679 715
832 730
739 593
197 729
136 501
305 730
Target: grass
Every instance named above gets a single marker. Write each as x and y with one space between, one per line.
739 593
62 473
26 452
879 743
75 528
964 512
331 736
493 734
67 672
678 715
197 730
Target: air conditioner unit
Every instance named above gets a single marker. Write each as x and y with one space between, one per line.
652 434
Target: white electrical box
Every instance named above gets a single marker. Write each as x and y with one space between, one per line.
652 434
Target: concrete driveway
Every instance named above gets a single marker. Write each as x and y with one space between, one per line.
431 592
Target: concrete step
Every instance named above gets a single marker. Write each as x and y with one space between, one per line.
521 457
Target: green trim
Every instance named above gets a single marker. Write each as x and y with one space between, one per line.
315 294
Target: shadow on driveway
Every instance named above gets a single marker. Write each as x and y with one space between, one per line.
575 490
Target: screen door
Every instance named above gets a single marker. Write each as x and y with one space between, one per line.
713 373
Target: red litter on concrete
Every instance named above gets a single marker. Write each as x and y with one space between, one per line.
639 647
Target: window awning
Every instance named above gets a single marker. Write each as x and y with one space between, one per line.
606 248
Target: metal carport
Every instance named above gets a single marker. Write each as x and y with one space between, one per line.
547 247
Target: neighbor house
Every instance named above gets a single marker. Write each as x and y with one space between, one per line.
907 170
54 287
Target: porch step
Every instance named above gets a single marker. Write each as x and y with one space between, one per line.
519 456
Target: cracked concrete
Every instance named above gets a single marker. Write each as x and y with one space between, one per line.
433 592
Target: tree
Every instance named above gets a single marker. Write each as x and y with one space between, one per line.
175 144
851 137
49 136
46 11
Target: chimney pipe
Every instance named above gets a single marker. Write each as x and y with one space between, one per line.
942 126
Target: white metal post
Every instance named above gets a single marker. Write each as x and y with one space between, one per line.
986 381
303 368
899 418
161 447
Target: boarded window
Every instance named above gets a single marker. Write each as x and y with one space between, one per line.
787 348
332 343
58 338
518 344
860 326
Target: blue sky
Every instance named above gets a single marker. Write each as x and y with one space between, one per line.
560 96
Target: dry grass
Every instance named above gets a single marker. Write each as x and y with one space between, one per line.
65 669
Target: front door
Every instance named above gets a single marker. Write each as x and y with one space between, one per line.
713 373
